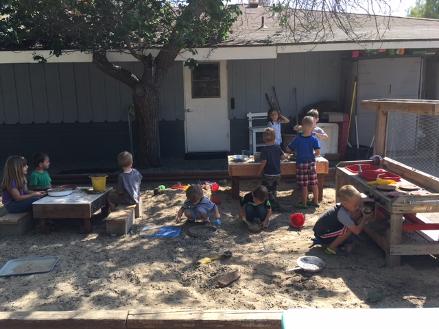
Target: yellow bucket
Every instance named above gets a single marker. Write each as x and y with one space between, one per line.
99 183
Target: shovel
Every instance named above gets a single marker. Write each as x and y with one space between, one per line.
207 260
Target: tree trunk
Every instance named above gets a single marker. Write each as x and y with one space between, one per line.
146 107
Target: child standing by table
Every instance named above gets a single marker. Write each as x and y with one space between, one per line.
15 195
271 155
275 119
319 132
198 207
306 147
127 191
255 209
40 178
336 226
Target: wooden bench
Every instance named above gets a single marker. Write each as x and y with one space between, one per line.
14 224
120 221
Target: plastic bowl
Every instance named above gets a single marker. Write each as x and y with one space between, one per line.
364 167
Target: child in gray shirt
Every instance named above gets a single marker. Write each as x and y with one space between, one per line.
127 191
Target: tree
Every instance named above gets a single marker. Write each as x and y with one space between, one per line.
425 8
133 26
168 26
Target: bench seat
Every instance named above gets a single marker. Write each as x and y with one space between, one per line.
120 221
14 224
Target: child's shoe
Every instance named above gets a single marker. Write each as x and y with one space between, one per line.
330 251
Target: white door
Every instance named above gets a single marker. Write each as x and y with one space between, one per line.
207 125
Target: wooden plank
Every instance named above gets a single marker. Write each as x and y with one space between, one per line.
395 238
68 92
415 249
83 91
61 211
379 239
39 94
211 319
98 96
414 175
114 319
380 133
24 93
54 97
419 106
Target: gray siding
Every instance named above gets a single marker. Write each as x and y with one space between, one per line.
76 92
316 76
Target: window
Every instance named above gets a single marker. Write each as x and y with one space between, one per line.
206 81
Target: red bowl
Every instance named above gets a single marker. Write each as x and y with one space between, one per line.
355 168
297 220
381 173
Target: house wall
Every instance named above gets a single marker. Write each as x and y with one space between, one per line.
316 77
51 106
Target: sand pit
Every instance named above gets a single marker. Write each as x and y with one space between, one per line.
102 272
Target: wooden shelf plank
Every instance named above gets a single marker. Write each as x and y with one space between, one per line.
420 106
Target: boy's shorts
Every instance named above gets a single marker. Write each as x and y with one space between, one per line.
306 173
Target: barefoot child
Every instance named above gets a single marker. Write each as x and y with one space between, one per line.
127 191
40 178
271 155
197 207
15 195
306 147
255 209
336 226
275 119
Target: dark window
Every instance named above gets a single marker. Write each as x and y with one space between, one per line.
206 81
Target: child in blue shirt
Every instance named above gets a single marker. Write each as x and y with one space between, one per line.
307 147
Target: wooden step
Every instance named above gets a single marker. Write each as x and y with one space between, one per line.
14 224
120 221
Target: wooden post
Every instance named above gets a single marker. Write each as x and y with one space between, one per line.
380 133
395 238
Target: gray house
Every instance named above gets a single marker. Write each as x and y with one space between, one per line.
79 115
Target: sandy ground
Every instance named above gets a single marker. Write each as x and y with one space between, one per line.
101 272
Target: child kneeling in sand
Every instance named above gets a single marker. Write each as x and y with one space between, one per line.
197 207
256 209
335 227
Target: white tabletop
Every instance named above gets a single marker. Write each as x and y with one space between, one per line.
77 197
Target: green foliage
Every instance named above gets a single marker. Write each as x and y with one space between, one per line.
91 25
425 8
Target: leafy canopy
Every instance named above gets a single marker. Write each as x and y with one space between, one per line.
96 25
425 8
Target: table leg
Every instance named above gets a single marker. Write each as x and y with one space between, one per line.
87 225
395 237
235 188
321 182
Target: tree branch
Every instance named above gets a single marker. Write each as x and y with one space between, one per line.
115 71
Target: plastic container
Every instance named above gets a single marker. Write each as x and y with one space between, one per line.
380 173
364 167
99 182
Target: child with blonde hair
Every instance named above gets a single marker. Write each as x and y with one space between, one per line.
307 147
335 227
127 191
271 155
15 195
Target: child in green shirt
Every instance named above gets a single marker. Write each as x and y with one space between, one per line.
40 178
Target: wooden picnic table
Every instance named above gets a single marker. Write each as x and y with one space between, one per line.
79 205
249 168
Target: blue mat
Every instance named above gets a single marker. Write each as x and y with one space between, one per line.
166 232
